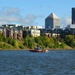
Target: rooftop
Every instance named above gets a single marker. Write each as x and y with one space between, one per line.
52 15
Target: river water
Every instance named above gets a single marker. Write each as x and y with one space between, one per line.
55 62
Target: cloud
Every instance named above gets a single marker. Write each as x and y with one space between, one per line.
13 15
65 21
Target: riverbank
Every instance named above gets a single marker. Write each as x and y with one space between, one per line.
67 48
47 43
6 46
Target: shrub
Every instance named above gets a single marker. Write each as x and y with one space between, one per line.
21 46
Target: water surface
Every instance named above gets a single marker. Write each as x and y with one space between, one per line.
56 62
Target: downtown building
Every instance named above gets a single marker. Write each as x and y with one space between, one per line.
72 26
52 22
73 16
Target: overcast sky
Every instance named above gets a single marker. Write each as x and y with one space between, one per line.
34 12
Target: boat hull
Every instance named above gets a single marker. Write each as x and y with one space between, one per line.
37 50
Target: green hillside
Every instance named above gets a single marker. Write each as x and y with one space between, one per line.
30 42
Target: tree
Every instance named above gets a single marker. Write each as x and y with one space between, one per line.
29 42
2 38
69 40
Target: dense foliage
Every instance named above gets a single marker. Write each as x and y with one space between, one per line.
70 40
31 42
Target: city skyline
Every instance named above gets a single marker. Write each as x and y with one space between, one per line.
34 12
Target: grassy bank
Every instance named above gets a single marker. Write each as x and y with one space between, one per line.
50 43
6 46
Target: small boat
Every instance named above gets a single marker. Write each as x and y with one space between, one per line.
38 49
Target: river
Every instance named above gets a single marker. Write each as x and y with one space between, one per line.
23 62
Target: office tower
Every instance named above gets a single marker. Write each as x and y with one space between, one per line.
73 15
52 22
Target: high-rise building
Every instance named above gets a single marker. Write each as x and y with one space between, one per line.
52 22
73 15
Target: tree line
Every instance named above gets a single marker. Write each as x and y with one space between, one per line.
43 41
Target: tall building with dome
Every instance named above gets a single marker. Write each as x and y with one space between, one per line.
52 22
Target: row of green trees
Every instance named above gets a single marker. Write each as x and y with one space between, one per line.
44 41
31 42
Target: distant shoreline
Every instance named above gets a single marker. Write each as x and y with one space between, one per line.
44 49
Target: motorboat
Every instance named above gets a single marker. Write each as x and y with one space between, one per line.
38 49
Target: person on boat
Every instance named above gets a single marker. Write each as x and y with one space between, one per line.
35 48
38 48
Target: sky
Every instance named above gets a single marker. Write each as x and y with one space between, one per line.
34 12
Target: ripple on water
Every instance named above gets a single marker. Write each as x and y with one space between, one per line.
28 63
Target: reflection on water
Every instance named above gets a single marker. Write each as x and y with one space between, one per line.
28 63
